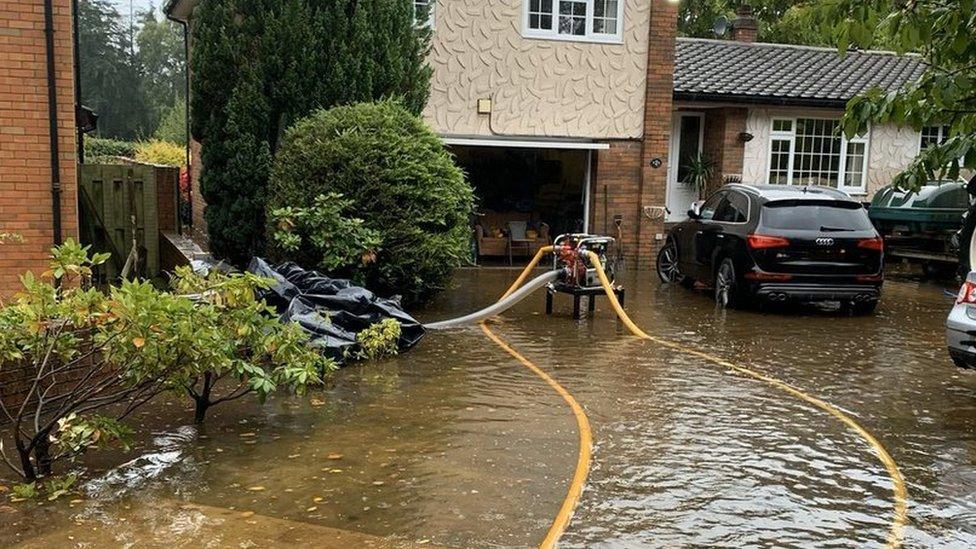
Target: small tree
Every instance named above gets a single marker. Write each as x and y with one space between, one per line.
76 352
399 180
239 347
73 350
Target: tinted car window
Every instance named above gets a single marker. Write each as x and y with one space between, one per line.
733 209
711 205
815 216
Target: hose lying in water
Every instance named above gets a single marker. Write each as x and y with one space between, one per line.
896 531
501 305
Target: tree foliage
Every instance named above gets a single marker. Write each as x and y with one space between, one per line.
399 180
779 21
261 65
132 74
76 360
941 31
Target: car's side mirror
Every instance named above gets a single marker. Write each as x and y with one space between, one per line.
694 212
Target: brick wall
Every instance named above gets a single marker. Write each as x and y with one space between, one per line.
657 127
25 170
615 191
722 144
624 181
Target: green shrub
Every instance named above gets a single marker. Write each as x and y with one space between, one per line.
97 147
380 340
340 244
159 152
399 180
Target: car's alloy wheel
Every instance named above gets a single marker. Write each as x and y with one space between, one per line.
725 285
667 264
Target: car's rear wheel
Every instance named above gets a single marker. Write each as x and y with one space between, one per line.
728 293
668 269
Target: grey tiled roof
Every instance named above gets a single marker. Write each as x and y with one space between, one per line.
715 70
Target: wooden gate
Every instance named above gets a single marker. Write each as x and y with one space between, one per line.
117 212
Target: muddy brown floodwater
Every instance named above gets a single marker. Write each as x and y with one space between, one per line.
457 444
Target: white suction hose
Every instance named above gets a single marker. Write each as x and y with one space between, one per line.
501 306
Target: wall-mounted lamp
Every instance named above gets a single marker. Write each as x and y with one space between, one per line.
484 106
745 137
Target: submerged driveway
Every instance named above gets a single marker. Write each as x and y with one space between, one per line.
457 444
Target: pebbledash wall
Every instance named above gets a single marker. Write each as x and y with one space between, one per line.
618 93
891 148
25 145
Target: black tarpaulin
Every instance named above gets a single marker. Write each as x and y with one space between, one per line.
332 310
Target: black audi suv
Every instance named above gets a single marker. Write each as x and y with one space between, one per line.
778 244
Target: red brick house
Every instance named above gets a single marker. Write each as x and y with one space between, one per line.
37 134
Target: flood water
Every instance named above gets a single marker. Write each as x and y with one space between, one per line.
457 444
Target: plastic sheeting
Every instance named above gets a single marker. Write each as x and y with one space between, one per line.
332 310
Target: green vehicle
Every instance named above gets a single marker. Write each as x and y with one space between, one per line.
922 225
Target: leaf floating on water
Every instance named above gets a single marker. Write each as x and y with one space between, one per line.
334 456
335 470
256 489
311 509
317 402
293 456
138 342
378 483
247 435
318 499
247 514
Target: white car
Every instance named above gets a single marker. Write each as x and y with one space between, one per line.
961 325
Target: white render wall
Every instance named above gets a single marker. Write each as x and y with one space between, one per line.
890 148
539 87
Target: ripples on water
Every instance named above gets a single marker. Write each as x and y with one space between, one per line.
457 443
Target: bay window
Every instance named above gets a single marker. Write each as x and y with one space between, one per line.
813 151
584 20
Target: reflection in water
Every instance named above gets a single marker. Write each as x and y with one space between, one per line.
458 444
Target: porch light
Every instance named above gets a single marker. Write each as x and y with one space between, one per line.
484 106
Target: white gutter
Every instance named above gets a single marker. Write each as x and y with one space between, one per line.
537 143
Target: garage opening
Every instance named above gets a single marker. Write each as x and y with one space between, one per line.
525 197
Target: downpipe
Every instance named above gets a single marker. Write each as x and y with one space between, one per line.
52 106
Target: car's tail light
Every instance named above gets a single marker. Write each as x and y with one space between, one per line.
967 294
875 244
762 242
770 277
870 278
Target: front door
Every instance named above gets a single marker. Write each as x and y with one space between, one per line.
687 135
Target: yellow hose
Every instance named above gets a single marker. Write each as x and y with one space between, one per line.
565 514
527 271
897 530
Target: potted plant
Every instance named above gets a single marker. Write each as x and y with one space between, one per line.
698 171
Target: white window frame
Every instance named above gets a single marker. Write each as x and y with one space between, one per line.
942 132
590 36
431 10
842 167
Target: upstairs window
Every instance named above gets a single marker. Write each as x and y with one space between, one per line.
423 12
582 20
